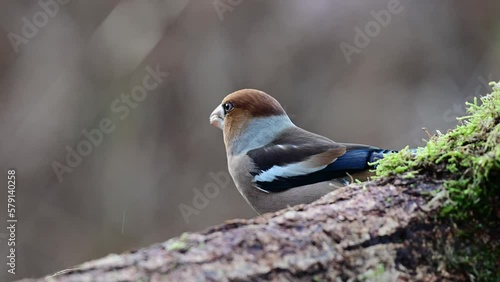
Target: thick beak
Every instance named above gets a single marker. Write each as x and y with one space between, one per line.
217 117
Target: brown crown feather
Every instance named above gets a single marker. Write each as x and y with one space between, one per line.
256 103
248 104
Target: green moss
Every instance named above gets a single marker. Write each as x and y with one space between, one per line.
467 158
177 245
317 278
375 274
479 260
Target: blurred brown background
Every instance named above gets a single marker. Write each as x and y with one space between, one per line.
416 70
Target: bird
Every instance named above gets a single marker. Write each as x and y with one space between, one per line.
276 164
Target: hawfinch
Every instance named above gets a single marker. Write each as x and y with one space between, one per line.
276 164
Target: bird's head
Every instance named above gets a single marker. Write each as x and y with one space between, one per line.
248 111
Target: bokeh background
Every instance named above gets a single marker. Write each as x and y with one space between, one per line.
416 71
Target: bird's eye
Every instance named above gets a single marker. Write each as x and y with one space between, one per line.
228 106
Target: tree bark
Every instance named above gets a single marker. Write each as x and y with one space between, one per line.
375 231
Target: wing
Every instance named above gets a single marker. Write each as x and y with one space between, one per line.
294 153
298 157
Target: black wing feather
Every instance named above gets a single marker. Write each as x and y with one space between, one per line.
290 148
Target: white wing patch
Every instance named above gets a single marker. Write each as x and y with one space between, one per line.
290 170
